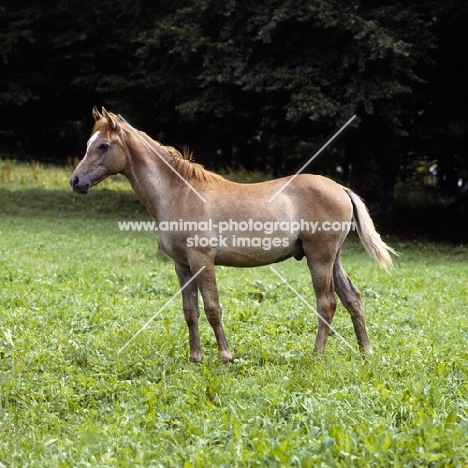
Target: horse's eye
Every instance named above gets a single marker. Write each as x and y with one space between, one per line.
104 146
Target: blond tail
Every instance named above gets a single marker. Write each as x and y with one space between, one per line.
370 238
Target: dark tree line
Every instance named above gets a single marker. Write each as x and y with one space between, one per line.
260 85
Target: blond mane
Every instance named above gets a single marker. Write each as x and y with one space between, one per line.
183 162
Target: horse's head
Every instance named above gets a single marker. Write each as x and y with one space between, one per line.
105 153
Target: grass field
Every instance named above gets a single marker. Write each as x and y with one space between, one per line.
74 290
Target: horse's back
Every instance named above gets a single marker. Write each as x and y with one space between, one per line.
324 198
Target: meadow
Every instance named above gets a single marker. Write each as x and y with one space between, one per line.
74 289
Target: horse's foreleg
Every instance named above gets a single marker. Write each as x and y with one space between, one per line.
191 310
207 284
351 299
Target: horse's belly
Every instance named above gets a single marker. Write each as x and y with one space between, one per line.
256 251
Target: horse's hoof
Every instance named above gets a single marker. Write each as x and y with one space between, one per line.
196 358
225 356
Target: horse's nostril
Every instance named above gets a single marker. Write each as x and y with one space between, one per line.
79 184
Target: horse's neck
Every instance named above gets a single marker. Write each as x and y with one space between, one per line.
149 176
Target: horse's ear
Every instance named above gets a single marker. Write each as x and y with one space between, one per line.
97 116
111 119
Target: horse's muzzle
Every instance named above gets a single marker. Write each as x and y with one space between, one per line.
78 185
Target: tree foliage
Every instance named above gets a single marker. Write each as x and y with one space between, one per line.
288 69
260 84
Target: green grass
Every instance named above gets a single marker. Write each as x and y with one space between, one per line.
74 290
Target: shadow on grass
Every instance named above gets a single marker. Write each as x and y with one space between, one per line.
53 204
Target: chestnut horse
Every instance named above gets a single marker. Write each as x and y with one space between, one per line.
240 225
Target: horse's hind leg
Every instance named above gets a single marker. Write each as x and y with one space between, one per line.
326 307
351 299
321 270
191 310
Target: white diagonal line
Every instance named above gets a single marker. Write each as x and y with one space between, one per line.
285 281
160 310
312 158
163 159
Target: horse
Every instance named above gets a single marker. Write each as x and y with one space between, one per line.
237 225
